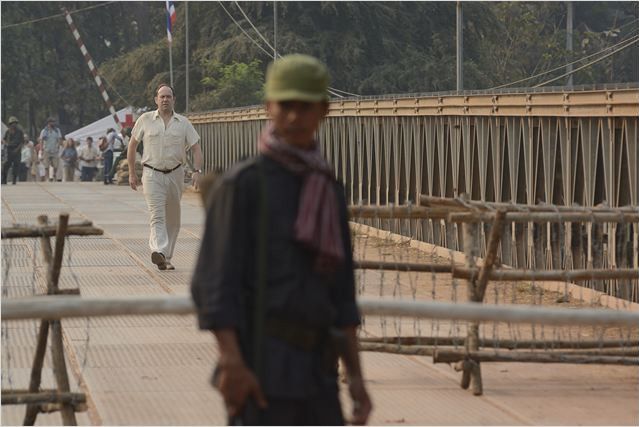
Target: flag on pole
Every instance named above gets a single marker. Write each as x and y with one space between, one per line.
170 19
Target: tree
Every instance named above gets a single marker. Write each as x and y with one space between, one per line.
43 71
235 85
371 48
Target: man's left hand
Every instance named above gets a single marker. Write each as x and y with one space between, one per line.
362 405
196 180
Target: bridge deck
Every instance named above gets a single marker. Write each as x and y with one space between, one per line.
154 370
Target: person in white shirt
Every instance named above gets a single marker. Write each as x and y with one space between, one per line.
166 135
88 155
27 159
119 150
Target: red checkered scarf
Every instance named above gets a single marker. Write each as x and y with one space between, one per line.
317 225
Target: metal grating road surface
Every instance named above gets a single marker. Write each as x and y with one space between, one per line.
154 370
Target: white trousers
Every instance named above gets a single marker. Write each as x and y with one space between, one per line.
163 193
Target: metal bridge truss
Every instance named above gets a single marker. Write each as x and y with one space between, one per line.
559 148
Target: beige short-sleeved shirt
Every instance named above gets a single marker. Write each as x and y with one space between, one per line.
164 148
90 155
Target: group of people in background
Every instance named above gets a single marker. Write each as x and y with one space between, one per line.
53 158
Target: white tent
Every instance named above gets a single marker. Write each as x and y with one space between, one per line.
99 127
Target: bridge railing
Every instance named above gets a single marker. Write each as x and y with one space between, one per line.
556 147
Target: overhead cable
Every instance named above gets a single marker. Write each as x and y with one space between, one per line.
260 46
56 16
590 63
565 65
267 43
116 91
628 23
245 33
344 92
256 30
332 90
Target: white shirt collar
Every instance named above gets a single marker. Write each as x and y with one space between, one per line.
156 114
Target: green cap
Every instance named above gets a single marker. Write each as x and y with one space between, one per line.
13 119
296 78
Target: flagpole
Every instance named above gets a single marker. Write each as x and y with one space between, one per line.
170 18
171 61
186 29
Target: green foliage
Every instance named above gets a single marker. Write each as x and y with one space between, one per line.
43 71
234 85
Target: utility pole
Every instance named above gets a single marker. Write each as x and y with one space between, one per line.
460 48
186 29
569 7
274 30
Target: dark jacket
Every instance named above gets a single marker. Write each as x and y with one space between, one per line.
224 279
14 141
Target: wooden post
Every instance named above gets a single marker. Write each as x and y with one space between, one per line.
45 244
36 371
57 345
476 290
43 334
54 264
60 371
471 249
491 254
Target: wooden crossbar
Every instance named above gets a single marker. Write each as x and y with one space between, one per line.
464 204
450 356
84 228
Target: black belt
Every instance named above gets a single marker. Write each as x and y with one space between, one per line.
164 171
302 337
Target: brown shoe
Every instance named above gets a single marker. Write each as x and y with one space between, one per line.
158 259
169 266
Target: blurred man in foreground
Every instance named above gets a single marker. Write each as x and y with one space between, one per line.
274 279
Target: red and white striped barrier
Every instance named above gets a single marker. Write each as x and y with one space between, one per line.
92 67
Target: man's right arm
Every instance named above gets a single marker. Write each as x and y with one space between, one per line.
130 159
235 381
216 288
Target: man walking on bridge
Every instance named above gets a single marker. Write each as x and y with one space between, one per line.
274 279
12 139
51 139
167 135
